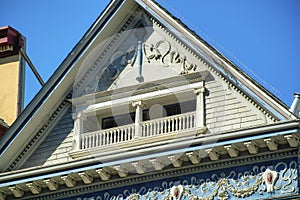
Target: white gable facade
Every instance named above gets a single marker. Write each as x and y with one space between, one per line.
143 108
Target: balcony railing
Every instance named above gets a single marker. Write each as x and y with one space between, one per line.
168 124
150 128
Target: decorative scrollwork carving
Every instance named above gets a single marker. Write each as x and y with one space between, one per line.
162 51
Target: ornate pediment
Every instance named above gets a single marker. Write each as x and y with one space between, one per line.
122 57
159 53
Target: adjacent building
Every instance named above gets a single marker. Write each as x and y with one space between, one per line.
143 108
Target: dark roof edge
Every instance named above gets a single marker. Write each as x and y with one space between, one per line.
58 74
231 63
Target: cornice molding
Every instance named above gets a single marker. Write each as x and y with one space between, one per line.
170 173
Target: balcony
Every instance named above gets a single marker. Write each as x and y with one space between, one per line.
111 122
151 128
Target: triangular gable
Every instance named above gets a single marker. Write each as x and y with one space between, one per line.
112 64
64 79
100 64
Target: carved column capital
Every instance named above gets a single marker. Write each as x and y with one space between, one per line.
78 115
199 90
138 103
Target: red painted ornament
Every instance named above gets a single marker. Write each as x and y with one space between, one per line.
269 177
176 192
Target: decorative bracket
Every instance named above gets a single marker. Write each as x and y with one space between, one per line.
103 174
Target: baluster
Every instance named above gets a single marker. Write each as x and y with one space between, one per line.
186 122
154 128
84 139
173 124
96 139
114 132
107 137
82 142
132 131
194 120
148 129
88 141
145 130
92 141
126 132
117 136
81 145
102 138
173 121
179 123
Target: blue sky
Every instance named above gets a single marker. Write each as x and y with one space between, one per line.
262 37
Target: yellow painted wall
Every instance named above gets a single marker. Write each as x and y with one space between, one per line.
9 78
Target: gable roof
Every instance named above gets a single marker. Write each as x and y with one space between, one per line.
59 86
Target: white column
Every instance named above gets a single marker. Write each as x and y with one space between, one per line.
138 118
200 107
78 129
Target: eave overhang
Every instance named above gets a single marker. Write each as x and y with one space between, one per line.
57 87
286 135
219 62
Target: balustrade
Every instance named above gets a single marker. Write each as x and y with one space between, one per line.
168 124
107 136
148 128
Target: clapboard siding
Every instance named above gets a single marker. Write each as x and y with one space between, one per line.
54 149
225 110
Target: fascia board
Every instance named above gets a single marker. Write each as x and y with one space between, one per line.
255 91
55 89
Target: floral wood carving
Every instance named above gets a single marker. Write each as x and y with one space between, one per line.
249 185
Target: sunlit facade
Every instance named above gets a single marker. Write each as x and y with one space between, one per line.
143 108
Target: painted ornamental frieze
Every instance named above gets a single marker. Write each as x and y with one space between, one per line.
258 183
